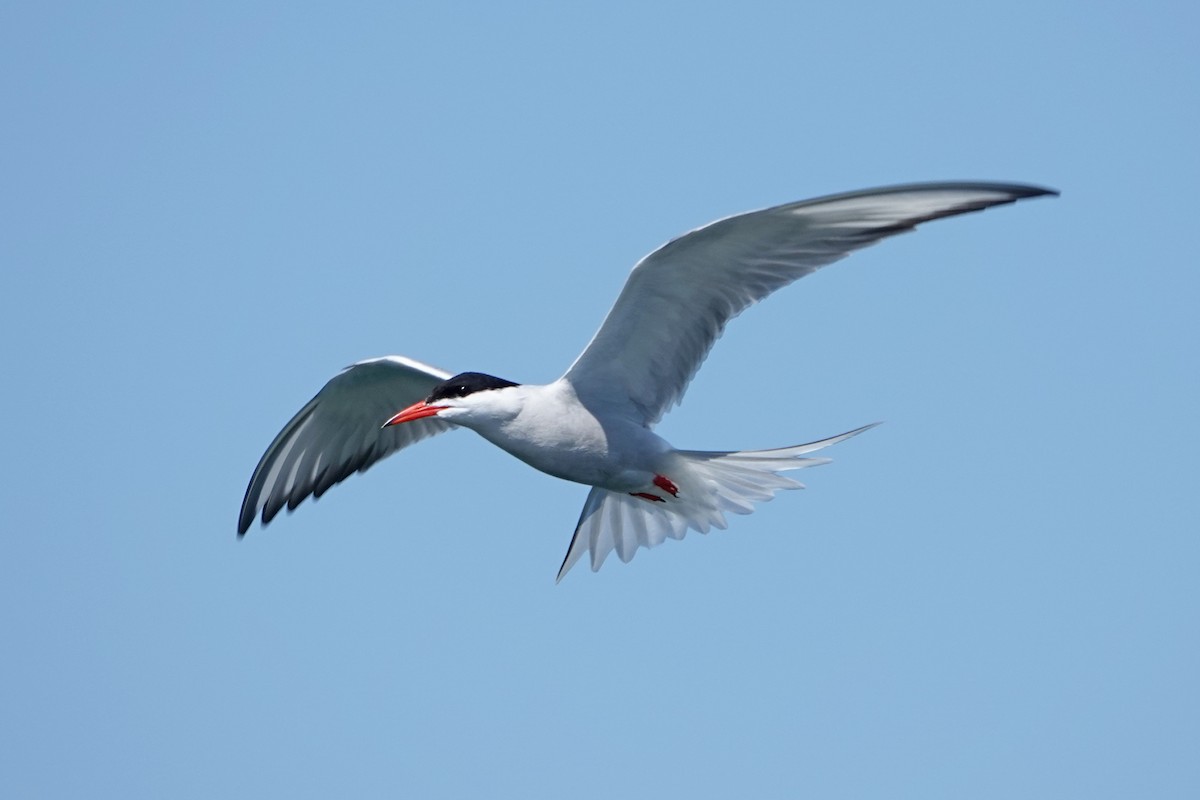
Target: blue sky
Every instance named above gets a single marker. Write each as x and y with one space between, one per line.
210 208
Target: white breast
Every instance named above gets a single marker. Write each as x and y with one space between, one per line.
550 430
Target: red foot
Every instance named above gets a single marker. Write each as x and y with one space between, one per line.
666 485
647 496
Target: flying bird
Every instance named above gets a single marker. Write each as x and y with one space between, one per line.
595 424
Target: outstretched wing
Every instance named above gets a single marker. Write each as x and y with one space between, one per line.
339 433
679 298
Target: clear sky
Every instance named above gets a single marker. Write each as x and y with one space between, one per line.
210 208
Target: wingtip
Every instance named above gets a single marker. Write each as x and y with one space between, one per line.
1039 191
246 522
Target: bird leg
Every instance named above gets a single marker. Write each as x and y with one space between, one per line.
667 485
662 482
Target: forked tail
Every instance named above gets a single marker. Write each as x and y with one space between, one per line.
709 483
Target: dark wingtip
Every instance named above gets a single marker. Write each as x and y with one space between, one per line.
246 517
246 514
1038 191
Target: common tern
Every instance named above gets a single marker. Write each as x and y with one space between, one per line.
594 425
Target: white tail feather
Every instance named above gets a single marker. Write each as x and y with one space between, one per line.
710 485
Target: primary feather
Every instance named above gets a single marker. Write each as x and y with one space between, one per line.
679 298
338 433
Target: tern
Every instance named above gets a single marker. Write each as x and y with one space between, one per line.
595 424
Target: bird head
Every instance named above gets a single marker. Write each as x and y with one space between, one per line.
457 399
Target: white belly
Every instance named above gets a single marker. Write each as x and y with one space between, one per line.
554 433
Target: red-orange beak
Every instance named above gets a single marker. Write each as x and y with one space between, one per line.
415 411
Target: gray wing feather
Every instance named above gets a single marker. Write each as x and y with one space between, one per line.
339 432
679 298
